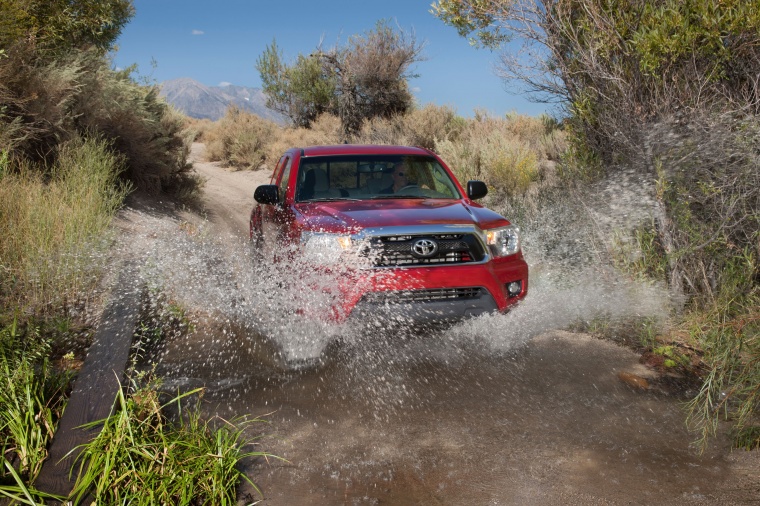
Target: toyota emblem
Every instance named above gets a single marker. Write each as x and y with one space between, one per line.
424 248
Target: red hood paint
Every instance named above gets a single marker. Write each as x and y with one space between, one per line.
348 216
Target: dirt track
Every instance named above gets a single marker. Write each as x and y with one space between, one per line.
447 419
228 194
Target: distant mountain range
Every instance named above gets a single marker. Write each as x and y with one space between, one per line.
200 101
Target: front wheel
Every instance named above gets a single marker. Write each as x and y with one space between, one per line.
255 246
256 240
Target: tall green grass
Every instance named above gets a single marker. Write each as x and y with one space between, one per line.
728 333
32 396
54 226
141 457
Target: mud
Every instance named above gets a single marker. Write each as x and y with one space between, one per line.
445 418
428 421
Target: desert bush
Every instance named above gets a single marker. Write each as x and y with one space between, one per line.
431 123
198 129
325 130
241 139
46 103
266 141
618 65
709 229
35 100
709 191
505 153
387 131
420 127
511 166
367 78
142 126
54 227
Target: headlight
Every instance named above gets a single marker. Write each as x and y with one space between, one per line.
324 248
503 241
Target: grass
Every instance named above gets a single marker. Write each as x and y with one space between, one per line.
728 334
19 492
640 255
141 457
32 394
53 226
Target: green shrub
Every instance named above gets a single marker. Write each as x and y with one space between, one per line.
728 333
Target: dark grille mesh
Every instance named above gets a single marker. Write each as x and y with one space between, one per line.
392 251
430 294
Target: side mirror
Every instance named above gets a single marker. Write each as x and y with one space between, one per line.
267 194
476 190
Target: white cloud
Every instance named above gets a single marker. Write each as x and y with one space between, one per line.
198 32
224 83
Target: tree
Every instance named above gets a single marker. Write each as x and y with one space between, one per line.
301 91
57 26
367 78
619 64
372 75
672 88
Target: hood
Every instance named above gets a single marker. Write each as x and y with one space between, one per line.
352 216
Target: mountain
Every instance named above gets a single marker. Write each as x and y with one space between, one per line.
200 101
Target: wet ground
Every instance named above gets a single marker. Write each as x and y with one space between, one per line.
431 420
502 411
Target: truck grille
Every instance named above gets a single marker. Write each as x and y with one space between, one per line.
425 295
399 250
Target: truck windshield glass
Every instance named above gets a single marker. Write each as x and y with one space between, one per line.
370 176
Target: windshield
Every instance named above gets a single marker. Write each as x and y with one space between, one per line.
364 177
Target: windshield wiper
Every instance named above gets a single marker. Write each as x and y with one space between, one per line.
331 199
380 197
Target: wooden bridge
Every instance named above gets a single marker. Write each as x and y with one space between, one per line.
97 384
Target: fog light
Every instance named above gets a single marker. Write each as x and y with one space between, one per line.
514 288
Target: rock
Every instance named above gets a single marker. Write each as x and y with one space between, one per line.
633 380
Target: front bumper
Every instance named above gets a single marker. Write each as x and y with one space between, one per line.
400 310
433 294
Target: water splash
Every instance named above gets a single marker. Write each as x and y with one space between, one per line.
220 277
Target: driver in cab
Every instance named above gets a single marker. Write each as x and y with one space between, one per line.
400 179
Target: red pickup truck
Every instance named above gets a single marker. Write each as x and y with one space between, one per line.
395 228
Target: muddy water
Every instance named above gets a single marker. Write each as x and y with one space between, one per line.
505 410
429 420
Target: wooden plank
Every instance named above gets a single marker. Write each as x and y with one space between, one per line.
97 384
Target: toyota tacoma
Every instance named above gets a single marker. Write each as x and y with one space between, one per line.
395 228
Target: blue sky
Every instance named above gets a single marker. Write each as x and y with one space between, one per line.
217 42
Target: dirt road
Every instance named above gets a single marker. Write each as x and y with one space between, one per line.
485 414
228 194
